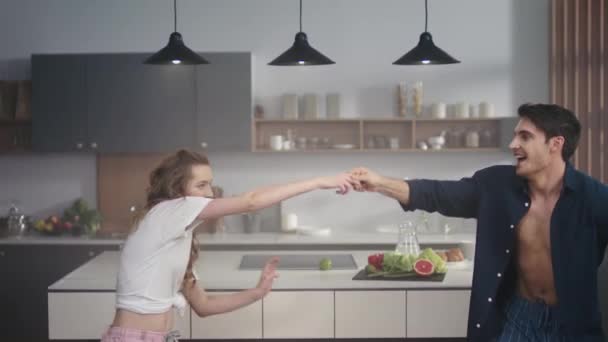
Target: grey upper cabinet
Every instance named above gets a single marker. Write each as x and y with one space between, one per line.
59 122
224 102
135 107
113 103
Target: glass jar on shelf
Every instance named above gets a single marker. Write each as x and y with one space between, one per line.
472 138
301 143
486 138
455 138
417 94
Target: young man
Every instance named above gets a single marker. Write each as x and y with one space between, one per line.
542 229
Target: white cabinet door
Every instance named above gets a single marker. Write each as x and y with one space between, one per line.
241 323
87 315
437 313
372 314
80 315
299 314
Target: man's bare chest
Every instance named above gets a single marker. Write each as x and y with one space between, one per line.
534 228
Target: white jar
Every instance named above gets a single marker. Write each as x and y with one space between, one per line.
438 110
276 142
290 106
311 107
332 104
486 110
461 110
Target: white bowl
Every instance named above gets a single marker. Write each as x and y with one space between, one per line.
437 140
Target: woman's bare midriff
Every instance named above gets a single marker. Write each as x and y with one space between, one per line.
162 322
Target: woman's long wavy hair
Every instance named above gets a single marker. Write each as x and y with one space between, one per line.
168 181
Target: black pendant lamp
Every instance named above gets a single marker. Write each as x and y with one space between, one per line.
301 53
426 52
176 52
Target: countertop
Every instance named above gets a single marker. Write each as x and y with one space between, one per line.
258 239
218 271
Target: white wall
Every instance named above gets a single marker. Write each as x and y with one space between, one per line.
502 45
240 171
44 185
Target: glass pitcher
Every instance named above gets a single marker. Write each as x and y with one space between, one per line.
407 242
17 222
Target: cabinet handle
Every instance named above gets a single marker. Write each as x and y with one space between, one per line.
204 144
2 253
93 145
133 208
79 145
91 253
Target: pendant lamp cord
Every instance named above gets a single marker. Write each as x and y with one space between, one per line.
174 15
426 15
300 15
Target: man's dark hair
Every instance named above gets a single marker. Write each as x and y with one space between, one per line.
554 121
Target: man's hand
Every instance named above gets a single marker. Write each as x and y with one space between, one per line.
372 182
342 182
268 276
367 179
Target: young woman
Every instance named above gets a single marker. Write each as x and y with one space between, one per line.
156 270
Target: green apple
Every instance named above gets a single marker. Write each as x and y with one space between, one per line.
325 264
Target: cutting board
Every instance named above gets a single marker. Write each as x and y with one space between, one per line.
362 275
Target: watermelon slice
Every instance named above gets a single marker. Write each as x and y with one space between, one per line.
424 267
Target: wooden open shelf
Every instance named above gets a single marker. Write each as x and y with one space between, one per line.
15 135
382 134
15 116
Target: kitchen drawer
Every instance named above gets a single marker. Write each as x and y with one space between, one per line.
299 314
79 315
437 313
373 314
86 315
239 324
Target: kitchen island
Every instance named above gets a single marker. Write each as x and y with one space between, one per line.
32 263
337 239
304 304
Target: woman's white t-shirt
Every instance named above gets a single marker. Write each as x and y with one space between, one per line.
155 256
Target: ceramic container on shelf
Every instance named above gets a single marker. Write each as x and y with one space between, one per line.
486 110
311 107
438 110
276 142
332 104
290 106
461 110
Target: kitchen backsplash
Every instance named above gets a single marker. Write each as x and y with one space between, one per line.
44 184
